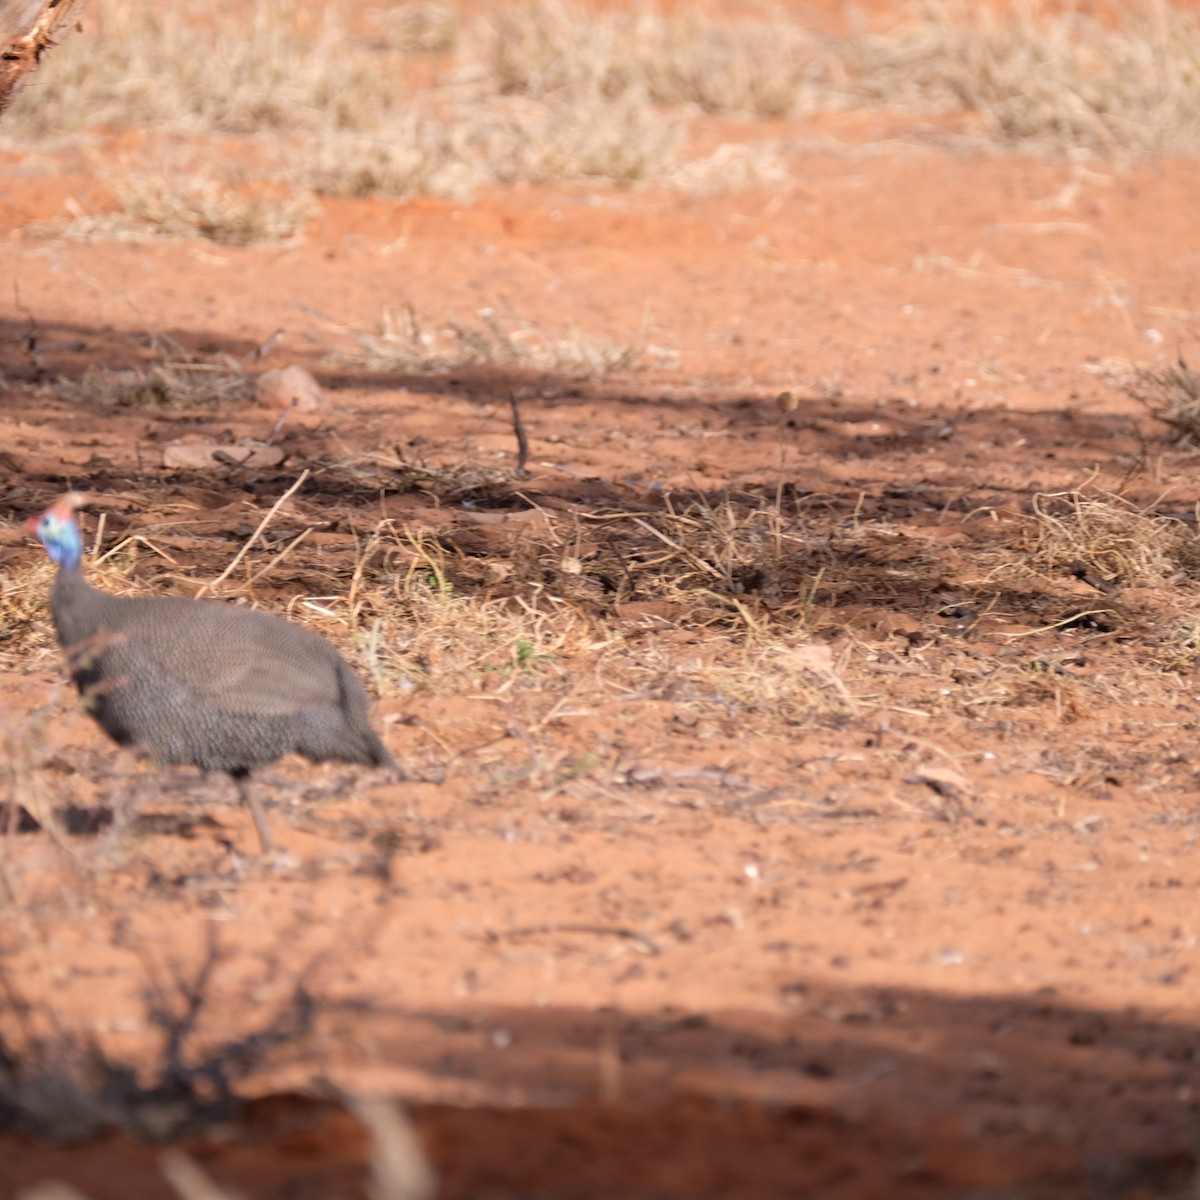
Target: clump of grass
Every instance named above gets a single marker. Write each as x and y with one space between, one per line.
719 66
1034 73
453 149
732 167
554 91
422 632
418 157
418 27
1172 395
783 679
172 207
1109 537
1181 647
23 597
1065 80
727 564
405 344
177 380
360 130
719 563
265 66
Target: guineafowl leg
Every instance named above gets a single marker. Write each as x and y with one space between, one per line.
246 791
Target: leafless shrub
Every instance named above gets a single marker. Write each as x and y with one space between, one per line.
66 1086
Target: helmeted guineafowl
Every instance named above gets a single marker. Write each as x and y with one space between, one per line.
199 682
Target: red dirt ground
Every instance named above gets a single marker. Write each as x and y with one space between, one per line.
934 944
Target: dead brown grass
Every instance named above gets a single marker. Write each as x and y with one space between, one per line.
174 379
1037 75
762 612
1108 536
451 149
267 67
1172 395
406 343
435 610
552 91
173 207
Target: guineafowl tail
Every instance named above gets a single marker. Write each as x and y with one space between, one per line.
357 731
380 756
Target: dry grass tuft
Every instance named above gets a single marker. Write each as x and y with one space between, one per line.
451 149
416 27
1036 74
1182 646
720 565
262 67
732 167
177 380
24 601
358 126
169 208
719 562
407 345
420 632
1172 395
752 68
1040 75
1107 536
553 91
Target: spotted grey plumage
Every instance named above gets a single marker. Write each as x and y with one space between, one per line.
203 683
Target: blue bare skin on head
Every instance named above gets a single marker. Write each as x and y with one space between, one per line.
59 533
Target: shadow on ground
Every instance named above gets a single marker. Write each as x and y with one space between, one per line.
855 1093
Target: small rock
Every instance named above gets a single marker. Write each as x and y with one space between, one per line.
945 781
292 392
210 456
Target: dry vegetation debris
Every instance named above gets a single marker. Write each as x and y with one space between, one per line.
405 342
192 205
1110 538
174 379
1171 393
418 100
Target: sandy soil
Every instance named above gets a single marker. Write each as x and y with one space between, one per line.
934 939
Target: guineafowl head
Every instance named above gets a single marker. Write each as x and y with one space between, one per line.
58 531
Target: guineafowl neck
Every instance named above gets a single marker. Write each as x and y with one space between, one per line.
79 609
